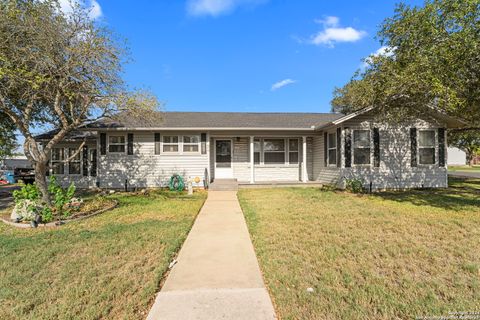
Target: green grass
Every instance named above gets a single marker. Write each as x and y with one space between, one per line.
109 266
464 168
383 256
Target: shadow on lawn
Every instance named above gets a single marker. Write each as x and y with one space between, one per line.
462 194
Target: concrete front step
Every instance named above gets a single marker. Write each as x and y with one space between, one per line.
224 185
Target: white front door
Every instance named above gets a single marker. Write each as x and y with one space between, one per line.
223 159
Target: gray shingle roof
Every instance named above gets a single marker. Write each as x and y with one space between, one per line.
72 136
221 120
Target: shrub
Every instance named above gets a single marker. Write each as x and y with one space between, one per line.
354 185
61 197
27 192
28 202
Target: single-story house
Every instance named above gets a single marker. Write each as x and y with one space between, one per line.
327 148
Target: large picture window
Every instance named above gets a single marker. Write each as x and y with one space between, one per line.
361 147
116 144
332 149
293 149
74 163
426 146
190 143
274 151
58 156
170 144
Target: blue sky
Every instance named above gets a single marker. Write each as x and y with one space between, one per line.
243 55
227 55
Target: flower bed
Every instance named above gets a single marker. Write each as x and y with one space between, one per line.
31 210
88 208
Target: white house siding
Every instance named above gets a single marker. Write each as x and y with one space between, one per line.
395 171
456 157
79 180
326 175
146 169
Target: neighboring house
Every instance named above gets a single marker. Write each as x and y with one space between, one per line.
15 162
258 148
476 160
456 157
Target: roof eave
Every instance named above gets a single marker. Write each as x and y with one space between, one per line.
312 128
344 118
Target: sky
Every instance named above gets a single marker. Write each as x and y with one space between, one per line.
244 55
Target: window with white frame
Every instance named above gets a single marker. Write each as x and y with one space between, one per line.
426 146
361 147
116 144
191 143
170 144
332 149
274 151
74 161
293 150
57 158
256 151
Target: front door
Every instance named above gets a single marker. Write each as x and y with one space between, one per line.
223 159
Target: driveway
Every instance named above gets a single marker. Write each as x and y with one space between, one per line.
464 174
217 275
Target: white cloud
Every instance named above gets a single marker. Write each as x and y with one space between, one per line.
95 11
333 33
217 7
329 21
281 84
382 51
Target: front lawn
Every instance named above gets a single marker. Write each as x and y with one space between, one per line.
109 266
383 256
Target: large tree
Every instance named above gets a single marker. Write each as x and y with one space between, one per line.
466 140
432 60
59 70
8 141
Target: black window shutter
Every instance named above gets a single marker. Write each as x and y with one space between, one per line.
376 147
47 173
348 148
325 148
93 164
85 161
130 143
441 147
103 144
157 143
413 147
203 140
339 148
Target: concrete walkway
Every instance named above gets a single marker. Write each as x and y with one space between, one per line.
464 174
217 275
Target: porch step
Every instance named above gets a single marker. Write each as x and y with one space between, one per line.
224 185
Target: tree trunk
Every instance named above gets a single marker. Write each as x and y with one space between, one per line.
469 157
41 180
